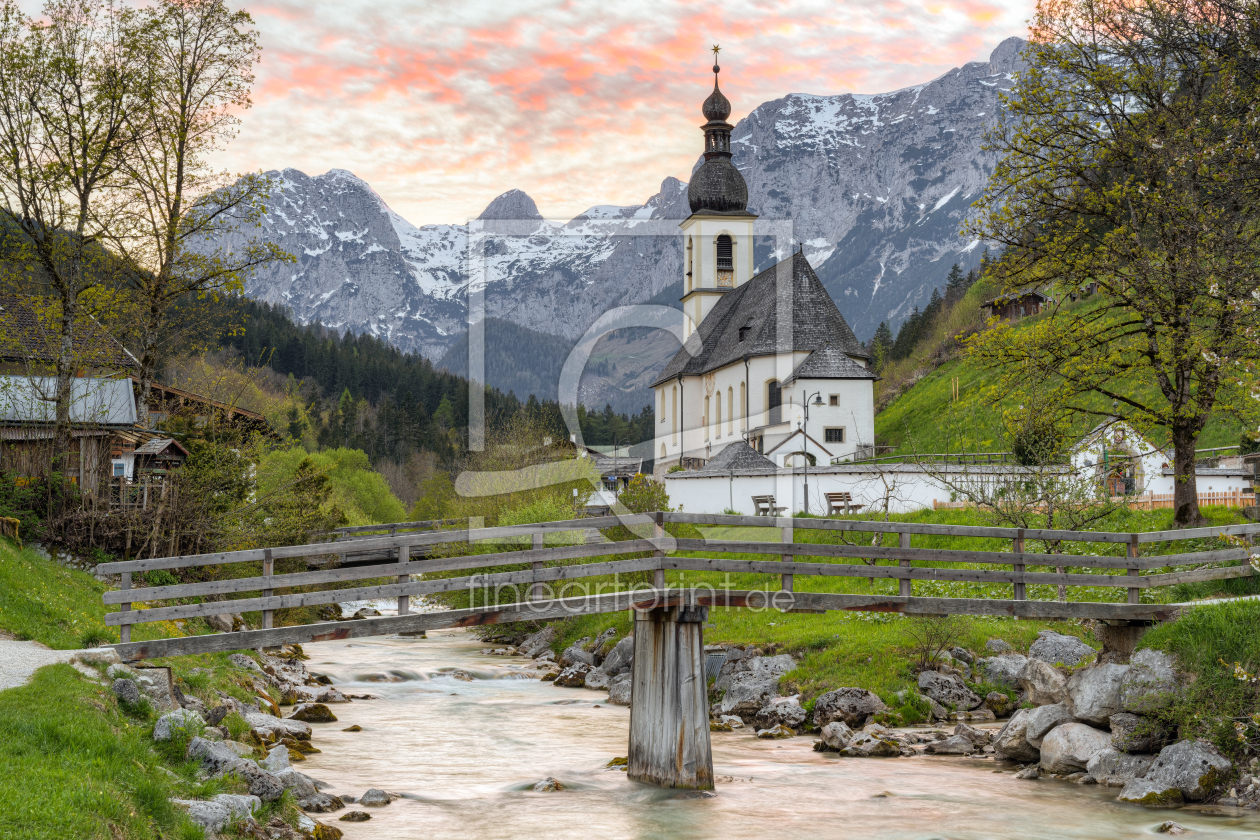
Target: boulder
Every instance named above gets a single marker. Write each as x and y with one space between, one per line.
1069 747
1011 742
575 655
1002 669
211 816
215 758
332 695
355 816
1136 734
275 728
836 735
786 712
1150 684
938 712
620 657
1041 720
535 643
777 731
301 784
262 784
179 722
120 671
1029 773
375 798
739 666
547 785
240 660
596 679
226 622
96 656
954 745
732 721
975 714
1056 648
850 705
979 737
240 805
866 745
962 655
997 646
1116 769
127 692
619 690
1041 684
313 713
999 704
1095 693
277 759
748 694
948 690
1187 770
573 676
320 803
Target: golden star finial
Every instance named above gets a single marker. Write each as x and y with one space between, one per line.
716 50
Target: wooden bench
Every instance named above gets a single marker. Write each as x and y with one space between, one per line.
765 506
841 503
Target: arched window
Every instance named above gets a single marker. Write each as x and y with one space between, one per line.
717 416
774 402
725 255
662 452
673 423
704 421
743 402
730 411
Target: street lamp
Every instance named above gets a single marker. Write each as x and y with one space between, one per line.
817 395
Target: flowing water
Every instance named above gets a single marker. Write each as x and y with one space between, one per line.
465 755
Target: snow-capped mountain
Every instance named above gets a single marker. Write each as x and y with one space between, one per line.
876 188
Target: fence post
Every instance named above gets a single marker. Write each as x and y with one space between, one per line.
124 631
904 586
786 582
535 589
1017 546
1134 592
658 531
404 556
268 568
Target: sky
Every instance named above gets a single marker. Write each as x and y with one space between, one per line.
441 106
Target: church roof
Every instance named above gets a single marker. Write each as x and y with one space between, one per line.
829 363
813 319
737 456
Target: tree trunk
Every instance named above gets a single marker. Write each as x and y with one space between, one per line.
1185 489
65 371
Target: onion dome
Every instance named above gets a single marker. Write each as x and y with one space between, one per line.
717 186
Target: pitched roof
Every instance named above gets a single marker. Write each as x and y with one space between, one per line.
27 337
790 287
829 363
737 456
97 402
158 445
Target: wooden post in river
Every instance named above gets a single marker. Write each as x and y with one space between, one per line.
669 714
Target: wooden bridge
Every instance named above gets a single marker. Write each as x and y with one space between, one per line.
669 735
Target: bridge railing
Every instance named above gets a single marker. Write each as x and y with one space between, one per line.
526 545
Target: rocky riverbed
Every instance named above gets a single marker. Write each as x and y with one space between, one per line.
466 738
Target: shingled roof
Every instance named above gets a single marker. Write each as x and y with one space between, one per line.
737 456
814 322
25 336
829 363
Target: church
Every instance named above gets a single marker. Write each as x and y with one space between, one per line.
768 358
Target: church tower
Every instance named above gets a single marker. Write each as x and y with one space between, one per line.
718 235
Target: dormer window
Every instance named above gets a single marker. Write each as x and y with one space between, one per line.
743 332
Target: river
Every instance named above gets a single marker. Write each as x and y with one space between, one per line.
465 755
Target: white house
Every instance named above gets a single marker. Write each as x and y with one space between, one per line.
759 349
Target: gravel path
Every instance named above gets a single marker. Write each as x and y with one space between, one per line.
19 660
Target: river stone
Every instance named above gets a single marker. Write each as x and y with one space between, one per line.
953 745
1002 669
277 759
777 731
851 705
1028 773
596 679
739 666
240 660
948 690
211 816
1151 683
748 694
547 785
619 690
1042 684
962 654
1095 693
732 721
620 657
376 798
1044 718
979 737
866 745
573 676
355 816
575 655
997 646
127 692
313 713
332 695
535 643
786 712
939 712
320 803
262 784
1136 734
275 727
180 722
836 735
301 784
1116 769
215 758
1056 648
998 703
1185 770
1070 746
1011 742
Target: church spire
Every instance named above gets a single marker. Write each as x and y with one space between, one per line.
717 186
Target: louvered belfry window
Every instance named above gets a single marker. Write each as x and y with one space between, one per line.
724 261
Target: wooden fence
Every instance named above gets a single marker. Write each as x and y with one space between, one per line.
522 545
1151 501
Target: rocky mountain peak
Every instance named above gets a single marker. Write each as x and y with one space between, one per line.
513 205
1007 56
